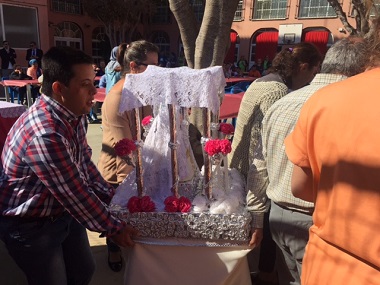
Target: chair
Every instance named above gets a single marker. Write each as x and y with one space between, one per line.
243 85
233 89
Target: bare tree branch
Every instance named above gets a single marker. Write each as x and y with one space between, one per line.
342 16
119 17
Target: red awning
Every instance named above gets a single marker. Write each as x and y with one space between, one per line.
266 45
230 56
319 38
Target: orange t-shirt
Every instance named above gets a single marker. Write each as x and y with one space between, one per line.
338 137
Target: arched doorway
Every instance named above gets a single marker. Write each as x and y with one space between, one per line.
264 42
68 34
161 39
233 51
319 36
101 47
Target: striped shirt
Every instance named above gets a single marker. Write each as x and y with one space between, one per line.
272 169
47 169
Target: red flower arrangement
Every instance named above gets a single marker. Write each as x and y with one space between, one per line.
227 129
125 147
174 204
147 120
143 204
213 147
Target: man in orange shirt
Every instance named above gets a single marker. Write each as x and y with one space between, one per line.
335 149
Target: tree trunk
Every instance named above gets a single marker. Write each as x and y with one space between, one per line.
188 27
208 47
214 35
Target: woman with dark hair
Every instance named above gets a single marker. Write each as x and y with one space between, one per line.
291 69
133 58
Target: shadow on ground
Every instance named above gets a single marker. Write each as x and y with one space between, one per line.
12 275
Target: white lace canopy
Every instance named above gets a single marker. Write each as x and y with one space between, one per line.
181 86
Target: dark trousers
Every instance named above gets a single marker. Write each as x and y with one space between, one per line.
49 252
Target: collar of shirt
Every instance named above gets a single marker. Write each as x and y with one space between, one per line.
61 111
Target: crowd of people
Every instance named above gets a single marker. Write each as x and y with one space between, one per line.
241 68
305 143
11 70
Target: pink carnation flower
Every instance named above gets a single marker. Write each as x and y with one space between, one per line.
227 129
147 205
134 204
212 147
147 120
143 204
124 147
184 205
171 204
225 146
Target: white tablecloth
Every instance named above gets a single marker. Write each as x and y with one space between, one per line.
154 264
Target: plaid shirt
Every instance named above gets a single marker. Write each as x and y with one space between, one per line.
47 169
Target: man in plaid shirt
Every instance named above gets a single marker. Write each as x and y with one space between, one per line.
50 190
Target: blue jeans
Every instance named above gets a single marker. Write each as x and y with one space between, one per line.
49 252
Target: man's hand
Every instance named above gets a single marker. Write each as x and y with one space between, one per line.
257 237
124 238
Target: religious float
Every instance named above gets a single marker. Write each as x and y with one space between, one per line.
193 225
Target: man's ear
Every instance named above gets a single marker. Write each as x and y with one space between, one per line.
58 88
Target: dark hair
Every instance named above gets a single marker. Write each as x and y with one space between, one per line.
57 65
137 51
347 56
120 54
287 62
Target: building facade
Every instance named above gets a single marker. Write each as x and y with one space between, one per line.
260 28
